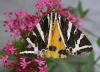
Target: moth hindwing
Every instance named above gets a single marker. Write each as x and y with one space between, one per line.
54 36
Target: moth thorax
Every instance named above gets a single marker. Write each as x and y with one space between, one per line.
53 10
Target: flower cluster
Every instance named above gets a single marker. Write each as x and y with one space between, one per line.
21 23
41 4
22 64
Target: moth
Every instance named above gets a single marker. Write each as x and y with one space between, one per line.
55 36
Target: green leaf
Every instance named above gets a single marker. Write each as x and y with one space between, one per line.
76 63
85 13
98 42
89 64
2 52
11 70
64 64
97 59
98 65
12 57
51 64
18 45
14 70
89 32
75 12
79 8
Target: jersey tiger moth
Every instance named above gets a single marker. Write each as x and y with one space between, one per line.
56 37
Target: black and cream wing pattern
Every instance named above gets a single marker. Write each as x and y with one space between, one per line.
75 41
56 37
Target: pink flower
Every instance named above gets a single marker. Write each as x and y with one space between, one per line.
23 27
80 20
58 2
21 22
17 12
4 58
49 3
31 26
9 49
24 13
16 32
40 62
9 43
9 23
45 69
8 13
62 12
23 63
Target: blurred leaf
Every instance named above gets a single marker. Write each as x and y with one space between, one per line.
18 45
85 13
51 64
11 70
98 42
78 11
12 57
98 65
76 63
97 59
75 12
89 32
79 8
14 70
89 64
2 52
63 64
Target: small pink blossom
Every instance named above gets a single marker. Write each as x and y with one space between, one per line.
8 13
24 13
16 32
4 58
10 43
23 27
43 69
62 12
17 12
49 3
40 62
6 30
80 20
9 49
23 63
31 26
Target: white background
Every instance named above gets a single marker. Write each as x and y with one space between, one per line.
94 14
